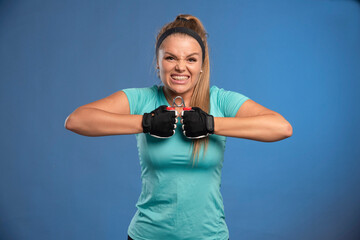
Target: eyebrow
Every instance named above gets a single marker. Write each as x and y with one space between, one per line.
195 53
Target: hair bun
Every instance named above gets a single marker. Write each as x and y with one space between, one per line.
182 19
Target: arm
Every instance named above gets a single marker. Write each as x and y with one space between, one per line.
107 116
255 122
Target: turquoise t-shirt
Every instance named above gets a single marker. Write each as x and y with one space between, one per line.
179 200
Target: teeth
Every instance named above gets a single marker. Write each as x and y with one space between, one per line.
180 77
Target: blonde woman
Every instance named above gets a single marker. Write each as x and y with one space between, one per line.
181 149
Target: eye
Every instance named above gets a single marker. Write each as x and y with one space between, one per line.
169 58
192 59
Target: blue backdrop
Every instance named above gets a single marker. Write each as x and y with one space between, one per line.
299 58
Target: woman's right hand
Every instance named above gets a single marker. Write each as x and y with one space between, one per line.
160 123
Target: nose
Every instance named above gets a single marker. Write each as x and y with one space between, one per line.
180 66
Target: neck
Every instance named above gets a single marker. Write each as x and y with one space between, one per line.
170 95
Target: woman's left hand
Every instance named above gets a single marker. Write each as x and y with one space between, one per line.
197 123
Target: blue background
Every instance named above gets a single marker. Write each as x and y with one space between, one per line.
298 58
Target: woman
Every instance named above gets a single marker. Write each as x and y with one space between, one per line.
181 161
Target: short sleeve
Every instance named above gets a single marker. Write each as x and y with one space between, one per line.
229 102
139 98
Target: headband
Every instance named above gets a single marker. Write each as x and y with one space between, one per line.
186 30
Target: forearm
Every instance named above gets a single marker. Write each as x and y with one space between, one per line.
96 122
265 128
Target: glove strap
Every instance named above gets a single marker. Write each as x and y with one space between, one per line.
210 124
146 122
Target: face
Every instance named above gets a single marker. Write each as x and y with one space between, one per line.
179 62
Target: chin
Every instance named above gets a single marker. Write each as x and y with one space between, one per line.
179 89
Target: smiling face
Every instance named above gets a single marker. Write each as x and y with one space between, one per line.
179 61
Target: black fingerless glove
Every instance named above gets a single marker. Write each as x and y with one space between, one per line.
197 123
160 123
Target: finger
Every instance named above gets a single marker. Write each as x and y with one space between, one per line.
163 107
187 127
185 121
196 109
187 114
171 132
171 117
172 114
184 114
168 127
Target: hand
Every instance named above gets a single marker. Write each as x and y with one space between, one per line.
197 123
160 123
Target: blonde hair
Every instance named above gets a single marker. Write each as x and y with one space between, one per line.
201 94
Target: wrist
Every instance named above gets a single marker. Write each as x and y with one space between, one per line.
217 123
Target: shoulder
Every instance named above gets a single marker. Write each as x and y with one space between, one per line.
216 92
146 90
227 101
215 89
140 98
